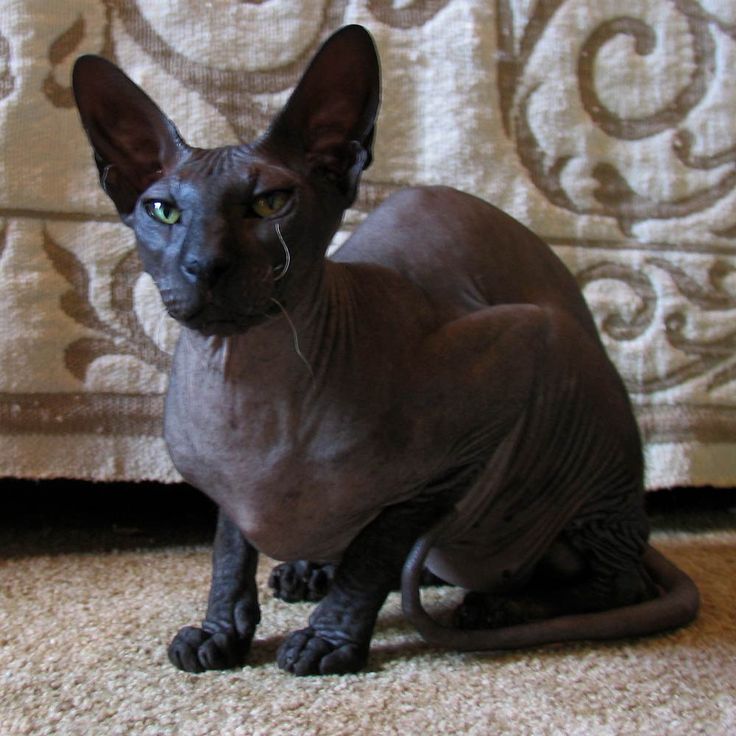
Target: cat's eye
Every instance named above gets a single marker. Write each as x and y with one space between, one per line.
270 203
164 212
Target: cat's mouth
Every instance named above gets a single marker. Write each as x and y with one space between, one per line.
210 321
227 311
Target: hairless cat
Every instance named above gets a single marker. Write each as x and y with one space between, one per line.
433 396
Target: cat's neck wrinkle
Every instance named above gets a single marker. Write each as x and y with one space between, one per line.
332 341
298 346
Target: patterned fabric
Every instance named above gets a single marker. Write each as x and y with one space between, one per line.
607 126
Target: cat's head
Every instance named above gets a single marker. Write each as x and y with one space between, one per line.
229 234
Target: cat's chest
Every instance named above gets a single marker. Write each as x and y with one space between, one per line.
299 481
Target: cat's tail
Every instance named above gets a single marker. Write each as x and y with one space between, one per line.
676 606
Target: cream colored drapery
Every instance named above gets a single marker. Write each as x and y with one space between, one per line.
608 126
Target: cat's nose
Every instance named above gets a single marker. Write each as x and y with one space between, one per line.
204 269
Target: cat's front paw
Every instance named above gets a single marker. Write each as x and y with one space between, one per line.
305 652
196 650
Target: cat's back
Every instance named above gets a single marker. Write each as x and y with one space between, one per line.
463 252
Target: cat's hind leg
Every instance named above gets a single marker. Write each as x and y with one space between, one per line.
590 568
295 582
301 580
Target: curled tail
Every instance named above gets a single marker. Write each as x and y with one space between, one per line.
676 606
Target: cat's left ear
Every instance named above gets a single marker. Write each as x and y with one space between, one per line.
330 117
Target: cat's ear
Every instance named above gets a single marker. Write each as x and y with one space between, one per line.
133 141
330 116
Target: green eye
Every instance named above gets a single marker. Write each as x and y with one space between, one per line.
163 212
270 203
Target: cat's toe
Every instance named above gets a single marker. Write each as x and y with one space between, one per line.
301 581
306 653
195 650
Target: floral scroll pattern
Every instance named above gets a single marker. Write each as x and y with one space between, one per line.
122 335
408 15
686 319
63 47
611 131
630 35
7 80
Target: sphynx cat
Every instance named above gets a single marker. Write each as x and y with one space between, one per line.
434 396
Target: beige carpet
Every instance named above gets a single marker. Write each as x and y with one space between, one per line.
82 651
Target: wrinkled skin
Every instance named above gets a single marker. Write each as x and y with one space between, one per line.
443 366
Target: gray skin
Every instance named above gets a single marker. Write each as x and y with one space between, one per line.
435 394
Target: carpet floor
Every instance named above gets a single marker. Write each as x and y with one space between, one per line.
89 606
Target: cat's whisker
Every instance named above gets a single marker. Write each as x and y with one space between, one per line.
287 256
296 336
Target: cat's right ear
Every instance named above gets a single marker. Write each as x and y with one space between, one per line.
133 141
